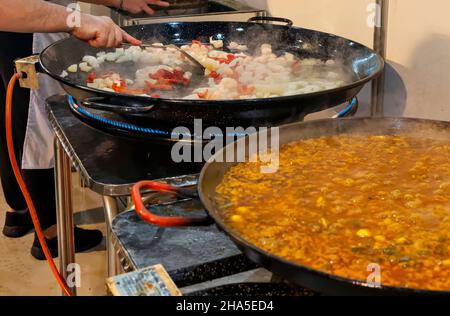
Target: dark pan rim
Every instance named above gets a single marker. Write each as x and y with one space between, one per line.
212 211
355 84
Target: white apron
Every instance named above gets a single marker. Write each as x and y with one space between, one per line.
38 145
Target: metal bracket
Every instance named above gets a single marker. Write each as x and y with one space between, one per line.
27 67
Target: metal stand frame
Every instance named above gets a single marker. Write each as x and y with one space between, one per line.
64 215
380 45
111 210
66 245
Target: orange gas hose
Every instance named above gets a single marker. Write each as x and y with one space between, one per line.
12 157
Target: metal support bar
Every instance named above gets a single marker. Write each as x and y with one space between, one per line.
66 245
380 45
111 210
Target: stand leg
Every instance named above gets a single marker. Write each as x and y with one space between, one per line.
66 246
111 210
380 45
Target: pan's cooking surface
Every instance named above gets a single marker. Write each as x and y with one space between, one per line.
363 62
220 74
342 203
351 204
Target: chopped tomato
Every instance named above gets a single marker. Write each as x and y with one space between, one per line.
164 87
120 86
162 73
228 60
178 73
203 95
150 85
91 77
196 42
159 86
216 76
116 87
165 77
165 81
123 89
156 96
178 78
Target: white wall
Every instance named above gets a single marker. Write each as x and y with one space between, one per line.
333 16
419 48
418 81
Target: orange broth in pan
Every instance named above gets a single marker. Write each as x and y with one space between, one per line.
340 203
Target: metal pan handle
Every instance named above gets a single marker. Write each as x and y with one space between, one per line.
97 104
256 19
164 221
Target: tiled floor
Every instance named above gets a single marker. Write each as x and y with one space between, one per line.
21 274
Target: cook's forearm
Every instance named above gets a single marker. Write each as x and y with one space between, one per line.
33 16
108 3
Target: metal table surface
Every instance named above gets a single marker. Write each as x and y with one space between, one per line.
191 254
108 165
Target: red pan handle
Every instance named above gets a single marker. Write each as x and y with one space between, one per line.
165 221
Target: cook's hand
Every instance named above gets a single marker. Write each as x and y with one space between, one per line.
138 6
101 31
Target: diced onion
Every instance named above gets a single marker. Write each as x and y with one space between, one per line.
216 43
92 61
85 67
72 68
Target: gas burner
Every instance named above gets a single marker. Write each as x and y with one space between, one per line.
116 125
112 124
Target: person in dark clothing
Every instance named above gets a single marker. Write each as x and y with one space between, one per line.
40 183
47 17
18 221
